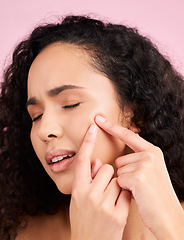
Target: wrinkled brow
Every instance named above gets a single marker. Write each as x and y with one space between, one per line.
53 92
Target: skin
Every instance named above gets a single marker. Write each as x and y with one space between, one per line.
144 174
57 127
99 208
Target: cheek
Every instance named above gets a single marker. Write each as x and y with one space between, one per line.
77 129
107 148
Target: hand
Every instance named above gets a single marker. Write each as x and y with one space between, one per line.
98 208
144 173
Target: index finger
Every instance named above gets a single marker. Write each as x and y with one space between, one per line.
131 139
82 174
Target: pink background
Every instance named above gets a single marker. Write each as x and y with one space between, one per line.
162 20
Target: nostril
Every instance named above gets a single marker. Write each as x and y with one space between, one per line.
51 136
48 132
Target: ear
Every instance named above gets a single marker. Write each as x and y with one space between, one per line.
127 122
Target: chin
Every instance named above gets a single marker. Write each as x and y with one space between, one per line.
64 188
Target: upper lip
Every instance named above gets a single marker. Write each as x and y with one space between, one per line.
56 153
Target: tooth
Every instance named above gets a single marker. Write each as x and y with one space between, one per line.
60 158
57 159
54 160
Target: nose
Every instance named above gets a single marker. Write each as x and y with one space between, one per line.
50 127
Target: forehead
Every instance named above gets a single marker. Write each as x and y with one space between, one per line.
59 62
58 55
64 64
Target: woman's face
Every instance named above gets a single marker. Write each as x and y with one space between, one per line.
65 93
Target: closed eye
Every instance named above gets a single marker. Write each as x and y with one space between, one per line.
71 106
36 118
65 107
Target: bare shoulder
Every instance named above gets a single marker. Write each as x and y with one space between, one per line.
47 227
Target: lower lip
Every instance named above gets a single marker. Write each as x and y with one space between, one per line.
61 166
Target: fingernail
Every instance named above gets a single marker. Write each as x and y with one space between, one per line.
92 128
100 119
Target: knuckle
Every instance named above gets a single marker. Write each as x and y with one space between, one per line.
148 155
148 164
153 154
140 178
105 208
92 198
149 159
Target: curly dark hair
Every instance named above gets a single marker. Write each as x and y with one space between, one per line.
144 80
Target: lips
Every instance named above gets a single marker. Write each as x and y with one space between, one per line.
59 160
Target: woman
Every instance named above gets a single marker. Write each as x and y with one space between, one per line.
102 110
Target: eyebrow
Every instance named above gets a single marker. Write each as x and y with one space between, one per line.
57 90
53 92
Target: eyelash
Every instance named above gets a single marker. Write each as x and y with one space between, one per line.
71 106
36 118
67 107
